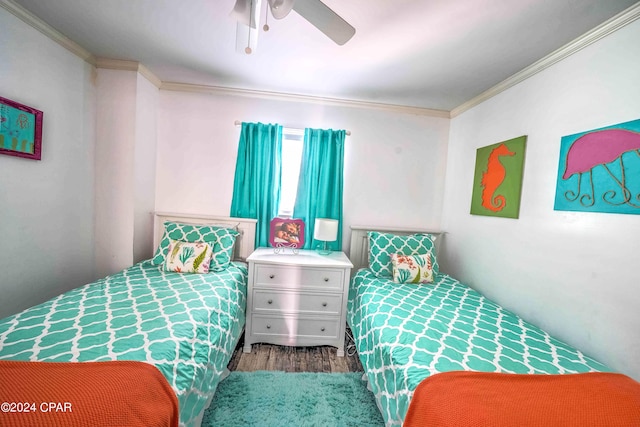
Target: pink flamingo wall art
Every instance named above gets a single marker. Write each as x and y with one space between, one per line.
498 179
600 170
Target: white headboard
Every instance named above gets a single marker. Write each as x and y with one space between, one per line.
359 251
245 243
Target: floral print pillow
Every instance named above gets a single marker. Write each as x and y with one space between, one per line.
412 268
188 257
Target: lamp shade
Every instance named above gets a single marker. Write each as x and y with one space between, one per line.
325 229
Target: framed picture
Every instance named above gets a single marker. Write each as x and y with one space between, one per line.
20 130
286 233
599 170
497 181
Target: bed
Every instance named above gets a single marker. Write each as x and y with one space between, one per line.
186 325
405 333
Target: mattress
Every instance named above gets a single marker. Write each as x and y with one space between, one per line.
405 333
187 325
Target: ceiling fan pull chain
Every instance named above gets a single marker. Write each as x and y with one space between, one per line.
266 17
247 49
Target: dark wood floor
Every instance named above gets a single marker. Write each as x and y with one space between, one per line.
267 357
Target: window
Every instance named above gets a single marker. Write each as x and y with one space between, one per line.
292 143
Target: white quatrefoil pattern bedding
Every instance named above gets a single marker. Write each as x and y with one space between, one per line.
187 325
407 332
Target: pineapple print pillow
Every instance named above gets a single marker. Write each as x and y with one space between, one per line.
188 257
412 268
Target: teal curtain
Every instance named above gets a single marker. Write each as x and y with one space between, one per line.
321 181
256 187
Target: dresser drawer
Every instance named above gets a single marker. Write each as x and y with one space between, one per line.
290 326
298 277
294 302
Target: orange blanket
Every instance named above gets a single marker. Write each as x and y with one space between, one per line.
470 399
119 393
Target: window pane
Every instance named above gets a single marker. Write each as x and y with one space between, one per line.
291 157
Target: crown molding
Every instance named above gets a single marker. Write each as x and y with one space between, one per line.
145 72
117 64
47 30
279 96
123 65
620 20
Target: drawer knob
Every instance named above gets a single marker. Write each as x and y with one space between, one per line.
270 301
271 276
324 304
268 326
322 329
326 279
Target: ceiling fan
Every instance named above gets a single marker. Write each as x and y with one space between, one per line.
247 13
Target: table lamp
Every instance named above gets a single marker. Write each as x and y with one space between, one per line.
325 230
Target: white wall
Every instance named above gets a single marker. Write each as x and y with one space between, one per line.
46 206
115 142
125 169
145 168
574 274
394 162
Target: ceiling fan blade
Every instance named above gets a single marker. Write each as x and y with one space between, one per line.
246 12
280 8
325 19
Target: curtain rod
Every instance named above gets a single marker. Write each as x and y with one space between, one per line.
238 123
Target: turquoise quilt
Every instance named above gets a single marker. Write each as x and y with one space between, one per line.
405 333
187 325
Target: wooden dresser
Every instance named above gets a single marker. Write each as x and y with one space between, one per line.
297 299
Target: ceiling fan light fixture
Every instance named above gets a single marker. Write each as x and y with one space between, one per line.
247 13
281 8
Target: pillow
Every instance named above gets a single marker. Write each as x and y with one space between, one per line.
223 249
382 245
221 240
412 268
186 257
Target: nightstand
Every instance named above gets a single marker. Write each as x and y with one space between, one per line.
297 299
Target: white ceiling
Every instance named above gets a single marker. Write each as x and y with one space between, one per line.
434 54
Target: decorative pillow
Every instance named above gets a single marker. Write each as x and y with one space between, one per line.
383 245
221 240
223 249
186 257
412 268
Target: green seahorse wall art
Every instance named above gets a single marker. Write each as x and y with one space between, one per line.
497 181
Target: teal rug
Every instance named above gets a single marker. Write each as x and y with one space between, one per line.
273 398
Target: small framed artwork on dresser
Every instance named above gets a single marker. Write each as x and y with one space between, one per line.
286 233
